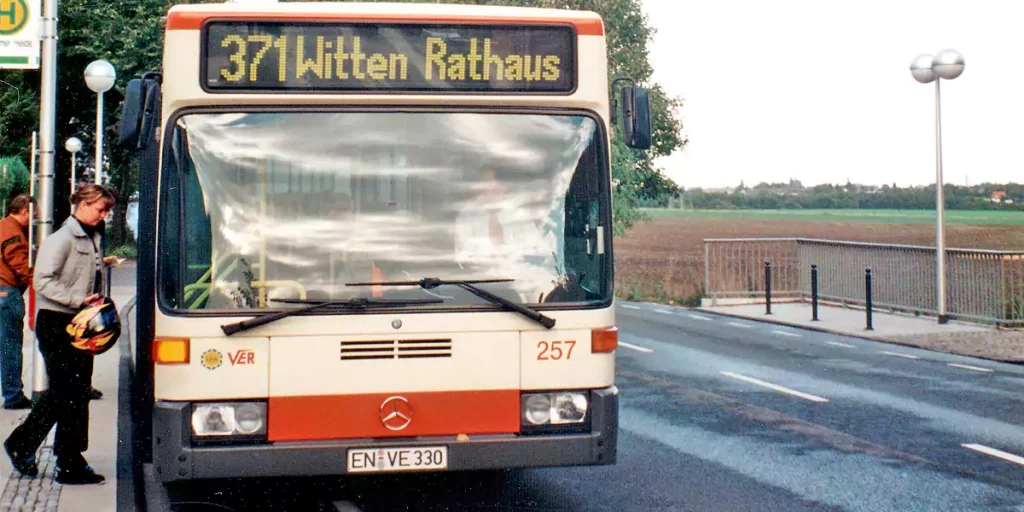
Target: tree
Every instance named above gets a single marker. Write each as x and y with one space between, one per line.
13 179
129 34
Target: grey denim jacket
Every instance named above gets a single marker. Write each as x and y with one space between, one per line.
65 272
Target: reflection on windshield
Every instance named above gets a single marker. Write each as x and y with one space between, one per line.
294 205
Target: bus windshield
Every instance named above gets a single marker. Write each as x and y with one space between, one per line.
258 206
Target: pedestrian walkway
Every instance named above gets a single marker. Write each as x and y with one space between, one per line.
42 493
963 338
845 320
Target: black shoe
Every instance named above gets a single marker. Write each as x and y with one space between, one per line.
83 475
95 394
22 462
21 403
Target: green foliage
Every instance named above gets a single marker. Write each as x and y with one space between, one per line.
772 196
128 250
13 179
19 109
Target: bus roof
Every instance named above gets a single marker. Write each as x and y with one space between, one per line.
191 17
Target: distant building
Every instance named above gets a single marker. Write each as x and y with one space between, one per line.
999 196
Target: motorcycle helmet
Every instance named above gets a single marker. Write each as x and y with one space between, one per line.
97 327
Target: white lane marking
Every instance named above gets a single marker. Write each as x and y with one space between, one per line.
995 453
628 306
969 367
635 347
662 311
769 385
790 334
700 317
737 324
837 344
897 354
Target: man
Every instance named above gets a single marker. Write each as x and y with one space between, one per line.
15 278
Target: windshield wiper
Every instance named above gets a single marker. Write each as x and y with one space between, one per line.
356 303
429 283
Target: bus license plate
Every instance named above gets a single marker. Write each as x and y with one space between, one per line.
365 460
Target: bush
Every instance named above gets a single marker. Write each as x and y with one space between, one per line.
126 251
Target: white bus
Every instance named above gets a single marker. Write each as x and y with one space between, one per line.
375 237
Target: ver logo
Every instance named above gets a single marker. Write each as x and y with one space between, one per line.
13 16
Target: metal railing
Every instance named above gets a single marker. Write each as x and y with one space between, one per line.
981 285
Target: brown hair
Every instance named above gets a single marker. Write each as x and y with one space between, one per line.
19 203
90 193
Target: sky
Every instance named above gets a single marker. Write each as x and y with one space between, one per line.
821 91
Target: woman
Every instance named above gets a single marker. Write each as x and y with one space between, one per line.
68 275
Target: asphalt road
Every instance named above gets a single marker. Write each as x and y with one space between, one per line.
721 414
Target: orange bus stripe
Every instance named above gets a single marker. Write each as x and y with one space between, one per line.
194 20
304 418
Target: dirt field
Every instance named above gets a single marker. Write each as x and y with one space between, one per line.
663 259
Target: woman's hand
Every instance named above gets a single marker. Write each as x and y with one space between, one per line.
112 261
90 298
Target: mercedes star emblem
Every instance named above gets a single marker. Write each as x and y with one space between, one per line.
396 413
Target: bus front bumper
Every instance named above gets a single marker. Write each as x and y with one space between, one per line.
175 458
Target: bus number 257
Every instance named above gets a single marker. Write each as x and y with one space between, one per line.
555 350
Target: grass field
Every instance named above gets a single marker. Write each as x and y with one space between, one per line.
910 216
663 259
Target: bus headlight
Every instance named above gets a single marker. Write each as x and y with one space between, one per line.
554 408
537 409
229 419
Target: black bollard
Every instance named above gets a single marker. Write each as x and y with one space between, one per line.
867 283
814 293
768 288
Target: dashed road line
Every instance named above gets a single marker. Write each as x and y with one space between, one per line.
775 387
995 453
742 326
662 311
635 347
790 334
969 367
699 317
897 354
630 306
837 344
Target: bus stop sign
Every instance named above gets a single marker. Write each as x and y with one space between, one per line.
19 34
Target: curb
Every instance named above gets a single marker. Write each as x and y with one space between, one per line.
853 335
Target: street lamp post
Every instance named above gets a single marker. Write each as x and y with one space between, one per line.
947 64
73 145
99 76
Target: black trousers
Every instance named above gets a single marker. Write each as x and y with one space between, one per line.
66 402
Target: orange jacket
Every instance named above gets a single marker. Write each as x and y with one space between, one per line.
15 268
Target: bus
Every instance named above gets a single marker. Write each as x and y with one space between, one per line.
375 238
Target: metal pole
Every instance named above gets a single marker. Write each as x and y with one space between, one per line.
814 293
99 138
32 192
940 205
47 133
867 293
74 173
768 287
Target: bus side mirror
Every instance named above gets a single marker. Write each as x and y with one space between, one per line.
636 117
131 114
141 112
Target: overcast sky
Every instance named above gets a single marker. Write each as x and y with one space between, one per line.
821 91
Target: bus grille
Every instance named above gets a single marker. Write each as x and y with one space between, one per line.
396 349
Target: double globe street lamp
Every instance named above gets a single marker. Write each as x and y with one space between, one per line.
947 64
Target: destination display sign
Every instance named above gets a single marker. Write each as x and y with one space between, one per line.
354 57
